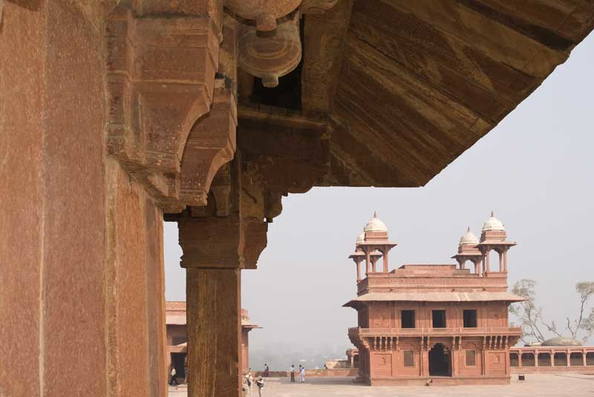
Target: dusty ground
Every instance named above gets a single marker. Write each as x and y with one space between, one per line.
549 385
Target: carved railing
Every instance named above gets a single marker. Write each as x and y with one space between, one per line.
434 332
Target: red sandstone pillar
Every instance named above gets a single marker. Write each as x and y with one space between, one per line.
358 262
82 272
584 357
211 247
501 264
385 259
214 324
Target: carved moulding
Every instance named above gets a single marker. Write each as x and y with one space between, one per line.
264 12
270 56
160 80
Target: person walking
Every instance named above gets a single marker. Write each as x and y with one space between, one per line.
249 380
173 380
301 373
292 373
260 384
266 371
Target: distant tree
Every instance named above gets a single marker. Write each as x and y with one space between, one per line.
535 327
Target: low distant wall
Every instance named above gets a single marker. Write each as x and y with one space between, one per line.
312 373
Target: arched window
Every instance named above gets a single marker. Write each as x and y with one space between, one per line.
544 359
513 359
528 360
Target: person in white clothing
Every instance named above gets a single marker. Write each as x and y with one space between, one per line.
301 373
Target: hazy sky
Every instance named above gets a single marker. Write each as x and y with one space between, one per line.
534 170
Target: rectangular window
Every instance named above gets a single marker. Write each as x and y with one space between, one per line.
470 319
409 358
439 318
470 358
407 318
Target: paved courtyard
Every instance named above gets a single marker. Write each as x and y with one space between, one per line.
549 385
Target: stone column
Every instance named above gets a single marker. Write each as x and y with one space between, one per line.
358 262
214 332
385 259
211 256
584 357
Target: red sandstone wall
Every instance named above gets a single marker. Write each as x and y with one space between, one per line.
81 253
387 314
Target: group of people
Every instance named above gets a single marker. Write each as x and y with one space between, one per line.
301 372
249 381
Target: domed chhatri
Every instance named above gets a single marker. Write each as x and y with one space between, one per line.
469 238
361 238
375 225
493 224
372 245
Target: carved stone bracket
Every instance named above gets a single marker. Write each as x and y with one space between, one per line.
230 231
210 145
161 78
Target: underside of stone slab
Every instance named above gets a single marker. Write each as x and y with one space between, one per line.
410 85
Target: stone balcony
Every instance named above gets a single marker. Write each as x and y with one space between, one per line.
357 332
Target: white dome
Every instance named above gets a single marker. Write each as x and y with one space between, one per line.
469 238
375 225
493 224
361 238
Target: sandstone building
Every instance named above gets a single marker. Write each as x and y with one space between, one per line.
444 323
177 338
117 114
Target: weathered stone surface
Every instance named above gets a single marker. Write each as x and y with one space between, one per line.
264 12
21 189
439 76
135 288
70 260
270 56
161 80
322 56
214 326
211 144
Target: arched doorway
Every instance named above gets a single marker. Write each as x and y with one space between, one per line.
440 361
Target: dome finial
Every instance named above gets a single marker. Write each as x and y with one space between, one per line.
467 229
492 213
375 214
